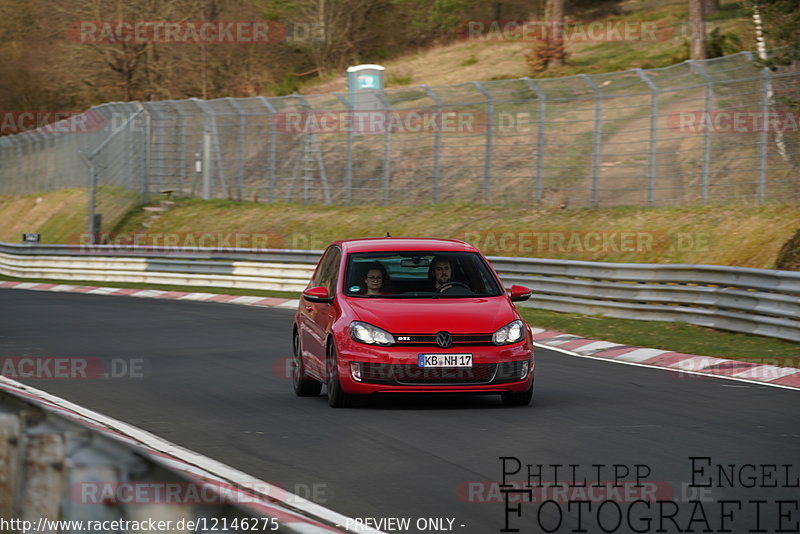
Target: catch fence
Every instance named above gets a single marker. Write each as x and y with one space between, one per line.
720 130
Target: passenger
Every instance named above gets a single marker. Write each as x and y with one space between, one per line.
376 280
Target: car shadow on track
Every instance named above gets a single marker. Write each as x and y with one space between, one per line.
421 401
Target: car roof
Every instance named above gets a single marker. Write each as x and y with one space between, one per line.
378 244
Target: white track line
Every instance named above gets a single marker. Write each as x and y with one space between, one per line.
682 371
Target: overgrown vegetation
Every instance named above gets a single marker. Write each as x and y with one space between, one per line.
60 56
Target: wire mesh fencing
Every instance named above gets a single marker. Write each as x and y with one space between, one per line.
721 130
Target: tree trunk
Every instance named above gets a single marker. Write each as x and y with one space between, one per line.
710 7
697 30
555 18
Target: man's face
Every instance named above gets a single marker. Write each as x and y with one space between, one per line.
441 272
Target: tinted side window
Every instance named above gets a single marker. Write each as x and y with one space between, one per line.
328 269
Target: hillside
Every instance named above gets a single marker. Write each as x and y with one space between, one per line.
743 236
495 59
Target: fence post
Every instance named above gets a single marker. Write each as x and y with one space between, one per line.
92 186
651 149
764 91
487 158
209 128
182 144
271 152
708 104
311 144
387 147
145 154
437 141
348 154
242 135
597 138
542 101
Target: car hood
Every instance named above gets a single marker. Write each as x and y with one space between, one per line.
423 316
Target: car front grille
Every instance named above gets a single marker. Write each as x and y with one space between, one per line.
430 339
412 375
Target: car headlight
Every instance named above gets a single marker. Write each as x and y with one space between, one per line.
510 333
371 335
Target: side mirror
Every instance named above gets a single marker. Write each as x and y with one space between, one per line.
317 294
520 293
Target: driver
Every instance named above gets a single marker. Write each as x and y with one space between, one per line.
440 272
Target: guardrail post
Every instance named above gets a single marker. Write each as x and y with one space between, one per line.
271 151
487 157
242 136
651 149
708 105
542 101
10 430
597 138
437 141
348 154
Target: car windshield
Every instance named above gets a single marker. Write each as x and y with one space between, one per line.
419 274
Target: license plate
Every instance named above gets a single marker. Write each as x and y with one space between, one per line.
445 360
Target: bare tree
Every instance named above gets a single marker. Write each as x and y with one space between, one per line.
697 30
710 7
330 30
555 20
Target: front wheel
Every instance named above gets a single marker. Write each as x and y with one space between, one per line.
337 398
303 385
518 399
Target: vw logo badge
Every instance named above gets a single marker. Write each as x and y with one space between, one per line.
444 339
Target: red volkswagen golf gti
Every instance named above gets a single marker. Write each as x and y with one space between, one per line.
400 315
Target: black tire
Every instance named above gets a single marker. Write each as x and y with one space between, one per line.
303 385
518 399
337 398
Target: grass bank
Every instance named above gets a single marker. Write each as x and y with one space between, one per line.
745 236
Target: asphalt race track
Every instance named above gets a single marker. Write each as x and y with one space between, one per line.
210 377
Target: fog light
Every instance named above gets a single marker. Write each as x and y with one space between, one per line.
355 371
525 367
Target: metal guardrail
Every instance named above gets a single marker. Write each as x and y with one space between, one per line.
756 301
61 464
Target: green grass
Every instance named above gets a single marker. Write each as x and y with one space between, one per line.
745 236
679 337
